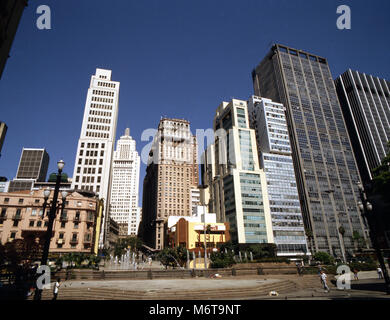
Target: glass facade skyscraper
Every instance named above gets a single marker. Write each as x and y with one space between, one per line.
324 163
237 184
269 121
365 101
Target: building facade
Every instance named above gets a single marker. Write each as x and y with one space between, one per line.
4 183
189 232
237 184
125 185
32 167
3 132
11 12
269 121
92 169
324 163
365 102
22 217
171 173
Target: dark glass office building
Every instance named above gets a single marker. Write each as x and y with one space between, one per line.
32 167
365 101
324 163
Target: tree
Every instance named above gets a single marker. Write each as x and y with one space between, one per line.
381 176
323 257
173 256
222 259
132 243
358 240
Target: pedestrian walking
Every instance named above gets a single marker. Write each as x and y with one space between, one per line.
355 274
56 287
380 273
323 277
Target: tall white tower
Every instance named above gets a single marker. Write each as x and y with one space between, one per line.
125 183
94 151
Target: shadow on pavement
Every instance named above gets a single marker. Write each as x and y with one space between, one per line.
378 286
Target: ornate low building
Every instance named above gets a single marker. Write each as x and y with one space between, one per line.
22 216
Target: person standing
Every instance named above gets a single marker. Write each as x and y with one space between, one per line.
323 280
355 274
56 287
380 274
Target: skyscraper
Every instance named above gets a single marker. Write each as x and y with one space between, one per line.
365 101
269 121
324 164
171 173
32 167
125 184
92 169
10 14
238 189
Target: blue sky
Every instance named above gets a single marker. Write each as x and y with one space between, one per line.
173 58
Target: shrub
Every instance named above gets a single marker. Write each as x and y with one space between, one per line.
221 260
323 257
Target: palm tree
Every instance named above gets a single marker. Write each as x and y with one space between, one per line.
342 232
309 235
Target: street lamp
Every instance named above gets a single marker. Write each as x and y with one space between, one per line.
52 213
366 210
203 186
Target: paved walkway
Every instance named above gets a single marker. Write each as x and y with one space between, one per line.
170 284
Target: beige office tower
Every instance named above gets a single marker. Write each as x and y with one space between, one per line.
124 185
237 185
171 177
92 168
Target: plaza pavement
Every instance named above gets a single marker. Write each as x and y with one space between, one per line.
289 287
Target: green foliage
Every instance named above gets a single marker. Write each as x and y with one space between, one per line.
358 239
229 246
381 176
222 259
363 266
105 252
132 243
173 256
323 257
79 260
273 259
262 250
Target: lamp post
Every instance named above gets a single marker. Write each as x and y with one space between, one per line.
366 210
203 186
52 216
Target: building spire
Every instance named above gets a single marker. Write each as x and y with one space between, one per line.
127 132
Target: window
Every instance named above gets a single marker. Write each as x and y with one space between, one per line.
31 223
63 224
13 235
39 223
16 222
6 200
21 200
